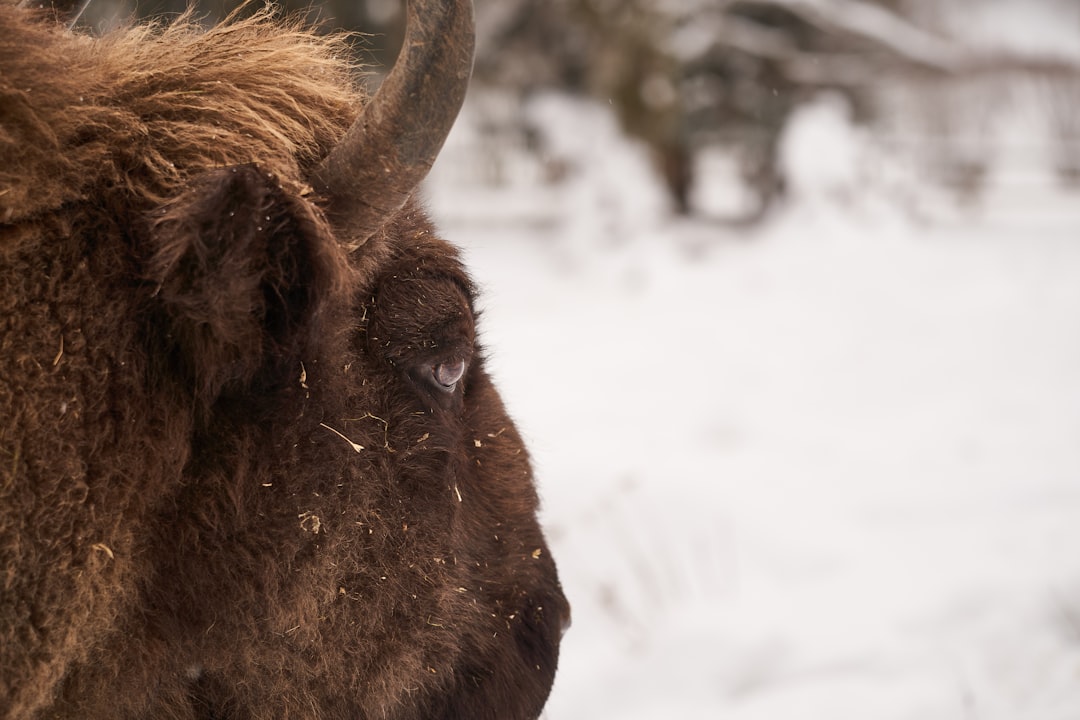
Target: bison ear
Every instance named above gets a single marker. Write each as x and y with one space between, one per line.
242 272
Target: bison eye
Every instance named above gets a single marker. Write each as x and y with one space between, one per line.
448 374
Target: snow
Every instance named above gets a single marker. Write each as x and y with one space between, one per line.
827 467
1031 27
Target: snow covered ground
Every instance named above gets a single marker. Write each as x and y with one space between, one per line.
826 468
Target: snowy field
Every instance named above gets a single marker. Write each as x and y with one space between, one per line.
827 467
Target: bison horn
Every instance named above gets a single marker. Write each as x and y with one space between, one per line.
391 146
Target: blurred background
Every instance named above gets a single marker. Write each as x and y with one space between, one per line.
785 296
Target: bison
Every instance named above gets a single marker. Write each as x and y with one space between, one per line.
251 464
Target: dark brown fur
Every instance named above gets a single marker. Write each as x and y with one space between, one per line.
190 363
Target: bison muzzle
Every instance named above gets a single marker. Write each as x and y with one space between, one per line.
251 464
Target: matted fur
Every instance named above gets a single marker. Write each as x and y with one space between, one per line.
229 487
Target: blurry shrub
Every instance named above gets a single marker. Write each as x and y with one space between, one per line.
685 76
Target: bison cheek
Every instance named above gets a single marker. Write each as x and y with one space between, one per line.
510 653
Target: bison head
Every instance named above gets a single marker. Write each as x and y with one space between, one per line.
251 464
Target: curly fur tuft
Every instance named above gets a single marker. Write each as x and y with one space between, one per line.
134 115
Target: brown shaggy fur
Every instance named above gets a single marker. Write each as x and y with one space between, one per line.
229 484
